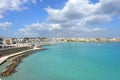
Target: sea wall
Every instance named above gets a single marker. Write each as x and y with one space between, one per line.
10 68
8 51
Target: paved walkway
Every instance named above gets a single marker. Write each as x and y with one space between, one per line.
4 58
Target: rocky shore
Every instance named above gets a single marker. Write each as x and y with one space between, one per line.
10 68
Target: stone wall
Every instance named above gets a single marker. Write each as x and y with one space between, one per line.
7 51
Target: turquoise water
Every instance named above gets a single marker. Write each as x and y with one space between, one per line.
72 61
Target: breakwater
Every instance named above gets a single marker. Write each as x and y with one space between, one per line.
10 68
8 51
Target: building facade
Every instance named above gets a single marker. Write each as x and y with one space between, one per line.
1 42
9 40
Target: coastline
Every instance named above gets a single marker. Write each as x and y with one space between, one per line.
40 62
10 68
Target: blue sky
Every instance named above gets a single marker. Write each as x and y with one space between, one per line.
60 18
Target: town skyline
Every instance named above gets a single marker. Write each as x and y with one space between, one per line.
60 18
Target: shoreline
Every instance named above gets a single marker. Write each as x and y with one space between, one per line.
10 68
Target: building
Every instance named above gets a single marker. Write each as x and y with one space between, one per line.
1 42
9 40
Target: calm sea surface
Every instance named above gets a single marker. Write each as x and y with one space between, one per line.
72 61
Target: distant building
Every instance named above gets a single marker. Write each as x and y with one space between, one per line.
1 42
9 40
37 39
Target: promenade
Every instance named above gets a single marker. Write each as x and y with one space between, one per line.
4 58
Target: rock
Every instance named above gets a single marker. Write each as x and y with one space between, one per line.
15 62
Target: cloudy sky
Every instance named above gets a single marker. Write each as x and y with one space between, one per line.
60 18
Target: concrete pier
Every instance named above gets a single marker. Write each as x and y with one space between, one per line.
4 58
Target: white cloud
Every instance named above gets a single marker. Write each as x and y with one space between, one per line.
10 5
110 7
84 10
35 29
43 26
54 30
76 16
4 25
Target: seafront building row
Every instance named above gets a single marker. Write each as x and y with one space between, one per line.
19 42
85 39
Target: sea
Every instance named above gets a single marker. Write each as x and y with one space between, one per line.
71 61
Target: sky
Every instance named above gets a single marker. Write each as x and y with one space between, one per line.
60 18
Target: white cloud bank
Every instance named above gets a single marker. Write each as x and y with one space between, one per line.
83 12
12 5
76 15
